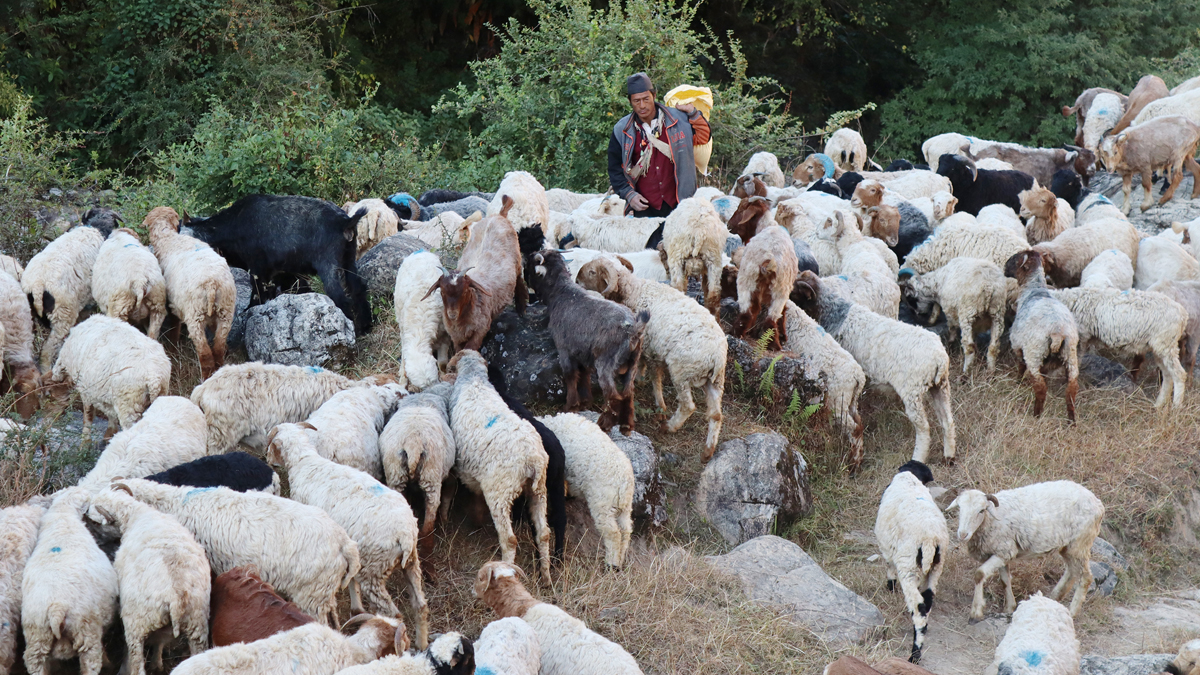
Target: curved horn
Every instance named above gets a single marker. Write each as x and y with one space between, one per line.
415 208
356 621
401 640
307 425
271 436
993 500
122 487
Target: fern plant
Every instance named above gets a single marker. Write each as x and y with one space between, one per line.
766 384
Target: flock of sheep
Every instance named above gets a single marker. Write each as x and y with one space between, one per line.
179 535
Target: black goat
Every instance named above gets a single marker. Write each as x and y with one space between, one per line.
286 236
899 165
1068 185
848 181
828 186
237 471
556 469
914 230
976 188
591 333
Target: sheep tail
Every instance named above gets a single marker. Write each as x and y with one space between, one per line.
929 551
212 292
57 616
177 608
353 565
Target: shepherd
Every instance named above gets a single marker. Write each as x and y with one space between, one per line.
650 160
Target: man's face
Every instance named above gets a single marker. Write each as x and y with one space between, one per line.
643 105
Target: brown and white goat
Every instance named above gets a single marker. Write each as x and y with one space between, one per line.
748 186
749 217
766 274
1161 144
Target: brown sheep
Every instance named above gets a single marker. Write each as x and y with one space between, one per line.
1046 215
1164 143
849 665
1149 88
749 186
244 608
749 217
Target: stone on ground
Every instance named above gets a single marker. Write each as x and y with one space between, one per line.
299 330
751 484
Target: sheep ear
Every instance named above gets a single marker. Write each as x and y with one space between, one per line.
628 265
506 203
437 284
186 218
993 500
271 436
1177 227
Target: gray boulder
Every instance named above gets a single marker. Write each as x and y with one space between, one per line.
521 347
1106 560
776 572
378 266
649 494
1138 664
463 207
299 330
1097 371
241 309
751 484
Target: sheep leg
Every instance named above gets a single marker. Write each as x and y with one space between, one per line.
656 382
713 392
156 322
356 603
994 345
416 598
985 572
891 576
91 656
940 397
605 518
449 487
87 421
136 663
571 380
1176 179
200 343
501 509
585 386
374 589
914 407
675 269
1020 364
1192 167
536 495
1072 379
686 406
1083 579
920 614
966 328
1126 189
37 652
433 502
51 346
1174 375
712 285
1039 389
220 334
1010 602
520 295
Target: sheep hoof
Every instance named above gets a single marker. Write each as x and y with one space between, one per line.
972 621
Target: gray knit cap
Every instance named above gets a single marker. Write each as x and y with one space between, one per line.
638 83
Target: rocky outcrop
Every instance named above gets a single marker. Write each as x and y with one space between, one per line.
299 330
1138 664
649 495
751 484
241 309
378 266
523 350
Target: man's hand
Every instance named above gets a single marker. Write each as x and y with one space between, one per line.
686 108
638 203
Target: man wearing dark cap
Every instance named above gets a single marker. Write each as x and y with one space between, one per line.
650 163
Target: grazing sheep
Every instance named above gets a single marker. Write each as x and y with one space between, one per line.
965 289
172 431
509 646
752 215
868 278
615 234
1187 294
766 273
1044 327
1093 207
127 282
765 165
200 288
1046 216
530 206
801 219
647 264
379 223
909 359
245 608
498 455
936 208
18 535
417 446
1149 88
913 540
1162 144
349 424
58 282
298 549
1104 114
1084 104
848 149
1110 269
1065 257
163 576
422 332
694 238
378 519
966 240
1030 521
238 471
976 188
115 368
568 646
1039 641
16 346
69 590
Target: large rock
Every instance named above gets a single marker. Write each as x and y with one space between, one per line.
241 310
299 330
1097 371
649 495
1138 664
777 572
1177 611
1106 560
522 348
1180 208
378 266
751 484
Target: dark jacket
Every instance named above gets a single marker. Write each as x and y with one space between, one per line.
679 137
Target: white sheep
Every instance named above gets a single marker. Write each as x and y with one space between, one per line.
801 218
1186 104
419 315
58 281
11 266
965 289
1001 215
298 549
965 240
379 223
766 271
913 540
1111 269
1043 327
163 575
18 535
498 455
1104 114
647 264
69 590
242 403
1067 254
311 649
127 282
912 184
171 432
681 337
693 238
1039 641
1030 521
993 164
378 519
1187 294
442 229
530 206
450 654
116 369
766 165
615 234
868 278
1188 659
1095 207
349 424
602 205
909 359
565 201
947 144
601 473
848 149
936 208
834 370
508 646
710 193
1046 216
568 646
1162 258
16 345
417 445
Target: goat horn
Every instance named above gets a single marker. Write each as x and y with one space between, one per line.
356 621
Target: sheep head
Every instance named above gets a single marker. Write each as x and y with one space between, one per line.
835 226
973 509
603 275
458 293
1084 161
452 654
918 469
745 220
499 585
28 382
960 170
944 204
868 193
729 275
162 219
1112 151
883 222
806 293
387 635
814 167
1022 265
1038 202
749 185
1188 660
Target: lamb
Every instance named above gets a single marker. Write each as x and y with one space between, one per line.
242 403
1149 88
606 205
1189 654
69 589
450 654
11 266
311 649
530 206
470 304
986 242
245 608
1000 215
171 432
766 165
58 282
115 368
913 540
815 167
616 234
1187 294
163 576
565 201
1084 104
1030 521
911 184
568 646
1041 163
1045 215
378 519
238 471
1066 255
1110 269
420 319
694 238
498 455
910 359
976 188
127 282
378 223
297 548
765 277
509 646
200 288
16 346
417 445
1105 113
593 333
1162 258
936 208
847 148
680 336
1133 323
1039 641
965 289
349 424
1161 144
1043 327
18 535
599 471
869 277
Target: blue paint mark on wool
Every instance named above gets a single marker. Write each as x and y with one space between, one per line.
314 369
376 489
56 549
843 277
195 491
492 421
1032 658
484 670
